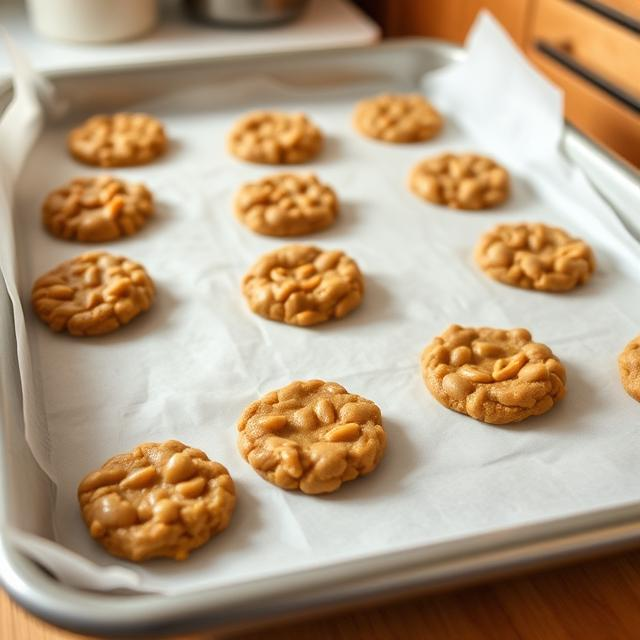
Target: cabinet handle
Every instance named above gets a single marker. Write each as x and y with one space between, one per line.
610 13
561 57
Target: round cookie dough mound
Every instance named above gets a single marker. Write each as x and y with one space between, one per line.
629 364
397 118
161 500
311 436
97 209
119 140
303 285
92 294
460 181
492 375
269 137
286 204
535 256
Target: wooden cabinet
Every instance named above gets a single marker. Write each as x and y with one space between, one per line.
589 48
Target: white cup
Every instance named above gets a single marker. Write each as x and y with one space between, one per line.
93 21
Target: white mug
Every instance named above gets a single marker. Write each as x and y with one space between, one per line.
93 21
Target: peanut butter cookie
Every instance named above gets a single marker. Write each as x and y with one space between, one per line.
397 118
92 294
535 256
465 181
269 137
629 364
97 209
161 500
118 140
286 204
303 285
311 436
492 375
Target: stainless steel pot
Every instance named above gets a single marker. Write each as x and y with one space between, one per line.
245 13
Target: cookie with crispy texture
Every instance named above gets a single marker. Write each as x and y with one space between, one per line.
629 364
161 500
286 204
272 137
493 375
92 294
535 256
118 140
460 181
397 118
97 209
303 285
311 435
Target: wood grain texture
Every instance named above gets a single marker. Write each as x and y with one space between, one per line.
599 600
451 19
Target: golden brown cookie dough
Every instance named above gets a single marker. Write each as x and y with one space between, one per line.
629 364
397 118
460 181
535 256
492 375
161 500
97 209
303 285
118 140
311 436
286 204
270 137
92 294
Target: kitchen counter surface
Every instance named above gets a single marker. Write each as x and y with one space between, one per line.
599 600
325 24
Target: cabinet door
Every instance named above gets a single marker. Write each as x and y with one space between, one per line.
446 19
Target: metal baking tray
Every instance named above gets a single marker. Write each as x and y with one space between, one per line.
431 567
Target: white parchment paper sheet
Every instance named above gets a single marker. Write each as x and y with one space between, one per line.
188 367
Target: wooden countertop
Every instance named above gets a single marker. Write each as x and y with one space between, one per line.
599 600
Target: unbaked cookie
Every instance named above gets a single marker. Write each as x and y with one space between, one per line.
460 181
270 137
97 209
118 140
397 118
92 294
161 500
535 256
311 436
303 285
286 204
492 375
629 364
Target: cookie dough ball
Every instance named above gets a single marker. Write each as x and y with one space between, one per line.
535 256
269 137
397 118
492 375
286 204
311 436
460 181
118 140
303 285
92 294
161 500
629 364
97 209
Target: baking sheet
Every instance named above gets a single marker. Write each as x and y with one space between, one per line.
188 368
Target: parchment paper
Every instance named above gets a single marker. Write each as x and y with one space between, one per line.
188 367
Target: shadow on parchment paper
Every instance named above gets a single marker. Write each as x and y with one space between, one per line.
566 416
376 307
151 321
246 523
331 151
387 479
